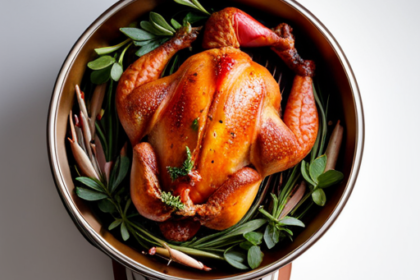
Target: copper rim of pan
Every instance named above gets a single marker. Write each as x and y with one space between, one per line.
95 239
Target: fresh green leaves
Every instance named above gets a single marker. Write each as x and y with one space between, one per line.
319 197
255 257
115 224
290 221
95 192
119 172
236 258
172 201
194 124
193 4
254 238
194 17
137 34
271 236
318 179
124 232
175 24
100 76
317 167
187 166
111 49
101 62
116 71
329 178
160 23
89 195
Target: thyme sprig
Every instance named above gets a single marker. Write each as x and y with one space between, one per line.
176 172
172 201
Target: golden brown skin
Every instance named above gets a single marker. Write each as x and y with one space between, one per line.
240 138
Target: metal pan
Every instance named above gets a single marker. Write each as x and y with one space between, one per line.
333 67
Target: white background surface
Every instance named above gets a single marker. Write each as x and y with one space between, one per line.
376 236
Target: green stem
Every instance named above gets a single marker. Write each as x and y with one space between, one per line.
107 50
120 60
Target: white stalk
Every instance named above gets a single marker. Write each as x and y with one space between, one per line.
96 104
85 165
181 258
100 154
81 101
86 133
334 145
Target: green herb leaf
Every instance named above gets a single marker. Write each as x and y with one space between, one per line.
246 245
255 257
101 62
89 195
142 43
91 183
271 236
194 124
319 197
290 221
193 17
193 4
172 201
114 224
137 34
106 206
317 167
175 24
111 49
187 166
98 77
329 178
123 166
147 48
235 258
303 170
151 28
116 71
254 237
160 22
124 232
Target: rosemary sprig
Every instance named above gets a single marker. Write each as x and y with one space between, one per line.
176 172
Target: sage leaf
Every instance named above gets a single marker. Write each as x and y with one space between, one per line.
106 206
254 237
255 257
124 232
246 245
89 195
319 197
151 28
329 178
116 71
147 48
91 183
98 77
303 170
175 24
141 43
317 167
290 221
123 167
111 49
290 233
159 20
101 62
137 34
114 224
193 17
271 236
235 258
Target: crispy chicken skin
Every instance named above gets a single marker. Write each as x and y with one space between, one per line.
240 137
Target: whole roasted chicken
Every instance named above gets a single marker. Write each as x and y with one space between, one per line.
216 121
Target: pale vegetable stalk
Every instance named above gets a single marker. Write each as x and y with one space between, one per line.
81 101
179 257
333 148
294 199
82 160
96 105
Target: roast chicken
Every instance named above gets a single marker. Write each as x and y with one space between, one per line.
224 108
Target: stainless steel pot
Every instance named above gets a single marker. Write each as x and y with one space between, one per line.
332 64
